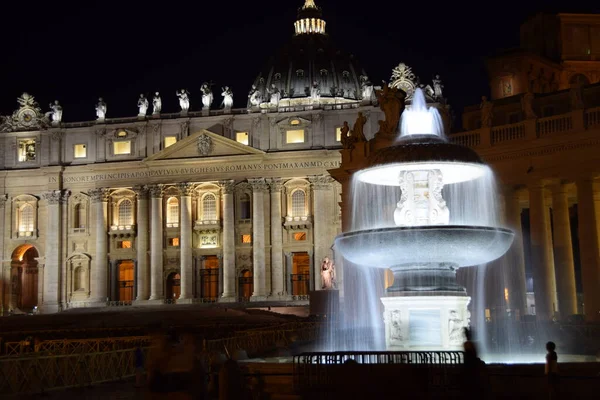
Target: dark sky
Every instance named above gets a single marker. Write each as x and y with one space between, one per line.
78 51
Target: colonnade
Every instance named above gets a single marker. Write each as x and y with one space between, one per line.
551 249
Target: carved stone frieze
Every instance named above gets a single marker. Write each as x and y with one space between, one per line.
140 191
258 184
99 194
186 189
156 191
320 182
275 184
227 187
52 196
205 144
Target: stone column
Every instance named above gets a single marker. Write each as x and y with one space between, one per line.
259 187
563 252
277 278
185 210
114 280
515 269
588 248
4 276
142 275
156 243
322 241
220 285
228 246
99 286
544 284
53 265
289 265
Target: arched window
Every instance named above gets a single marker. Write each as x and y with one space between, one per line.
209 207
126 212
579 79
79 216
298 203
26 219
172 212
245 206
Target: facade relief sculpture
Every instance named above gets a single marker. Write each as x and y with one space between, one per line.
391 102
487 112
142 106
156 104
184 100
101 110
328 281
437 88
227 102
29 116
56 113
207 96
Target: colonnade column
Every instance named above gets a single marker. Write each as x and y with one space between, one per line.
544 284
53 267
321 222
588 249
100 268
228 264
515 270
4 269
277 283
564 265
156 243
259 187
185 227
141 273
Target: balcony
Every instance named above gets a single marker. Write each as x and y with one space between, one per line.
122 231
576 121
303 222
207 225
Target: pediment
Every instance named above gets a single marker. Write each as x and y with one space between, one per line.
203 144
293 121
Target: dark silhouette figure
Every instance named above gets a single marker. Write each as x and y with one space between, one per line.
473 376
551 370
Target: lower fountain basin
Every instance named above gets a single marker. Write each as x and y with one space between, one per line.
409 245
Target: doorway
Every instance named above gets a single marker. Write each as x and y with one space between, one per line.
245 285
24 277
173 286
209 279
125 283
300 274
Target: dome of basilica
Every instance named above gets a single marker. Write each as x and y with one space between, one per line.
310 70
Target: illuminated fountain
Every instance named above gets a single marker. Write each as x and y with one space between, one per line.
423 208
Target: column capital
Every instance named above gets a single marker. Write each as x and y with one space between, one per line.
3 199
227 187
52 196
156 191
258 184
320 182
275 184
185 188
99 194
141 191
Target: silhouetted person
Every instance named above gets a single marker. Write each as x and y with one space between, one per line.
473 386
551 370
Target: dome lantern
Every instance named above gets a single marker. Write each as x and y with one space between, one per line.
309 19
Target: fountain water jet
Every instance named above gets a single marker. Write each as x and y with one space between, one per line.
401 221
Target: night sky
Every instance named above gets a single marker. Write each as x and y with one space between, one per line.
119 49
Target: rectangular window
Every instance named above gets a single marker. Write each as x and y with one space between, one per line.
300 236
294 136
242 137
80 151
124 244
122 147
174 242
170 140
246 238
27 150
338 134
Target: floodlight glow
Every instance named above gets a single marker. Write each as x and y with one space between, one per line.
452 172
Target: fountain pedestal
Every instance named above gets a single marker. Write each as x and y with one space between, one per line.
425 322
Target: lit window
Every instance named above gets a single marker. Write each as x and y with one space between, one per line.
170 140
122 147
245 206
26 219
300 236
242 137
122 134
125 213
26 150
174 242
80 151
294 136
338 134
172 212
246 238
298 203
209 207
124 244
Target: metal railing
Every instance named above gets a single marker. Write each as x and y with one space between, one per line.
73 346
29 375
382 357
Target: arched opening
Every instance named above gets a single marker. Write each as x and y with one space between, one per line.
24 277
125 213
209 279
125 283
172 212
245 285
173 286
579 80
298 203
300 274
245 206
209 207
79 216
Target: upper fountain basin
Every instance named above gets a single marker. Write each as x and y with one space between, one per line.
403 245
423 152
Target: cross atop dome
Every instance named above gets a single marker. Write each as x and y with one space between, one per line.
309 19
